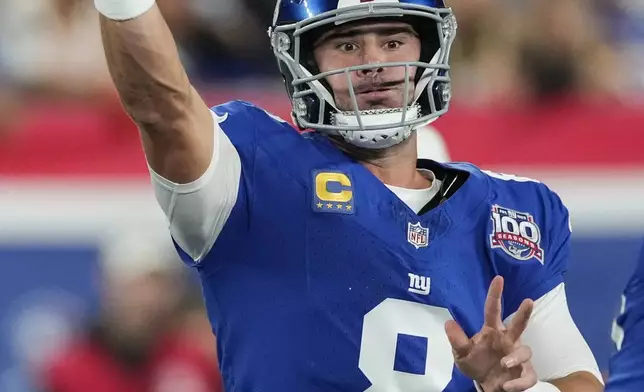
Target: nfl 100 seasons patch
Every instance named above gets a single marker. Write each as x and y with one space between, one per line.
516 233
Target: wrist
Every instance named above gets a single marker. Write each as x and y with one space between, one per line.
123 9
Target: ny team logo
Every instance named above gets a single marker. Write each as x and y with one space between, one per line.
516 233
417 235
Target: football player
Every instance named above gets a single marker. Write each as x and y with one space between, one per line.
626 372
336 260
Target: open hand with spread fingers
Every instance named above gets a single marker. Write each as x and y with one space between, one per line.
495 357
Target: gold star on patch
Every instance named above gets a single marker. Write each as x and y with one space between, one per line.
320 205
348 207
329 205
339 206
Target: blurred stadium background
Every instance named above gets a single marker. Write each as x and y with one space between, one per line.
553 91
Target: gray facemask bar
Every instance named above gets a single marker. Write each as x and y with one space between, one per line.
281 44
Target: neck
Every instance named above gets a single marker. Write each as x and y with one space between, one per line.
395 166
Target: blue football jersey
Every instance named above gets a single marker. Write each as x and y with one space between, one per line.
627 365
323 280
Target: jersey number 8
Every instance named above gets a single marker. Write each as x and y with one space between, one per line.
380 331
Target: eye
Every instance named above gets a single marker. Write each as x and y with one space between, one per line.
393 44
347 47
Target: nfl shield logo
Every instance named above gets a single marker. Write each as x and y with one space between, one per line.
417 235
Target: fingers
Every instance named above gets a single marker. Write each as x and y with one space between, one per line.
520 320
518 356
527 380
493 303
458 339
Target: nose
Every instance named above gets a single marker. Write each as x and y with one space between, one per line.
372 55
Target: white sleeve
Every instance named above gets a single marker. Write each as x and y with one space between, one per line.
558 348
198 211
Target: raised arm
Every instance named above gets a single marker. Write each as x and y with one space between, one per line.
196 170
176 125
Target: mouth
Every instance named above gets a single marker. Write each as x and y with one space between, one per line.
379 93
384 87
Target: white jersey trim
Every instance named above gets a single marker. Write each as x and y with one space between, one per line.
198 211
558 348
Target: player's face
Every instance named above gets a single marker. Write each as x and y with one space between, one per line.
372 43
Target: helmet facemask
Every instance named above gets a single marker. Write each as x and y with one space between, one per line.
426 90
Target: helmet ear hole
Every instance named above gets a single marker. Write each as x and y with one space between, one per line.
437 94
313 108
442 94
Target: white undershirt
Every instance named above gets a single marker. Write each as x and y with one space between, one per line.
197 212
416 199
